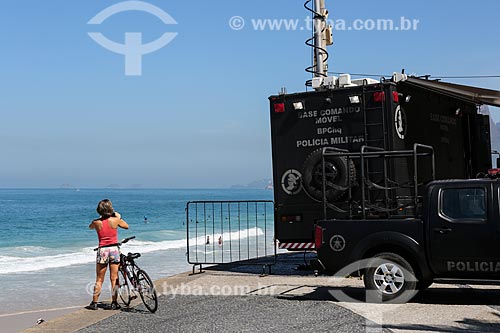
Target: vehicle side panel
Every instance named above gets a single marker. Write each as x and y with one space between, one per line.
367 237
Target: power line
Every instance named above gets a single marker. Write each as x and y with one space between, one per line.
433 76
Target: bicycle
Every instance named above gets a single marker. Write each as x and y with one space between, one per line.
139 280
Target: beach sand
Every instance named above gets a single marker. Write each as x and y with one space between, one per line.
19 321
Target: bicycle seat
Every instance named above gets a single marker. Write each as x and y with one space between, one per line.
133 255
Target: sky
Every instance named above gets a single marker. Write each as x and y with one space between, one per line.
198 115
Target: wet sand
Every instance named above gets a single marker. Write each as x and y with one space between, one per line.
19 321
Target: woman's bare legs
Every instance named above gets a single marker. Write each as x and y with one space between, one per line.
113 275
100 271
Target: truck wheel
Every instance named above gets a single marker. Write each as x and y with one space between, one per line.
338 172
391 276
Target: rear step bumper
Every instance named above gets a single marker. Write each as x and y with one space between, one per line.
297 246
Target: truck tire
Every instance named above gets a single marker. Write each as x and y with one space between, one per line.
338 171
392 277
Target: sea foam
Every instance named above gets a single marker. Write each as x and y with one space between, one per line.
32 263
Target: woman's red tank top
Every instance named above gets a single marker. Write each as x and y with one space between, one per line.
107 235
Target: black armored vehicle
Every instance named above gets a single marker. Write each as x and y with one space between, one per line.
390 179
355 123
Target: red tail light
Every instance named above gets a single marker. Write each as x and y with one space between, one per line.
395 96
494 173
279 107
379 96
318 237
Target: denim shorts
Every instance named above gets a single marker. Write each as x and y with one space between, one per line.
108 255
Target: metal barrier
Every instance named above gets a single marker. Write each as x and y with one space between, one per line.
224 232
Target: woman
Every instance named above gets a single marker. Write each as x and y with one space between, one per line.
108 252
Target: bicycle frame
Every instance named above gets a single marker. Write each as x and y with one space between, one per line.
126 262
137 277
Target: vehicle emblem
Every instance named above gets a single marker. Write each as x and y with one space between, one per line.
337 243
400 122
291 182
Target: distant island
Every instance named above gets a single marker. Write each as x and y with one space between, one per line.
118 186
266 184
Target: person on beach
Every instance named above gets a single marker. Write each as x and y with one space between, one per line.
108 253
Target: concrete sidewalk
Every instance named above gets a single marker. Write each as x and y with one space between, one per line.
238 298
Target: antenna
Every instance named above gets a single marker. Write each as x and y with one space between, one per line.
322 37
320 55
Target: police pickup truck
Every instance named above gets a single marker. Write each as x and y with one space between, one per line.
455 236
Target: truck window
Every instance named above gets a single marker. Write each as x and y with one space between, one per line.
463 205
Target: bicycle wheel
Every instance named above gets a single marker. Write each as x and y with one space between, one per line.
124 289
147 291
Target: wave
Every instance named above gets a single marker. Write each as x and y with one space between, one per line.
144 246
24 265
25 250
16 264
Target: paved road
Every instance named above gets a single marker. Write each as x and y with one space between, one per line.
441 309
260 310
293 301
234 314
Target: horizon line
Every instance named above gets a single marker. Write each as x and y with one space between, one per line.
237 187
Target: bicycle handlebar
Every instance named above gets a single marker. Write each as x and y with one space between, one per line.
126 240
120 243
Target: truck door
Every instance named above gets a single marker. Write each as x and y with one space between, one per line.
463 233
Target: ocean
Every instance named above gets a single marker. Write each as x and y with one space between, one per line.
46 248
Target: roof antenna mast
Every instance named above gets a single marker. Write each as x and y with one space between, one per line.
320 40
322 37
